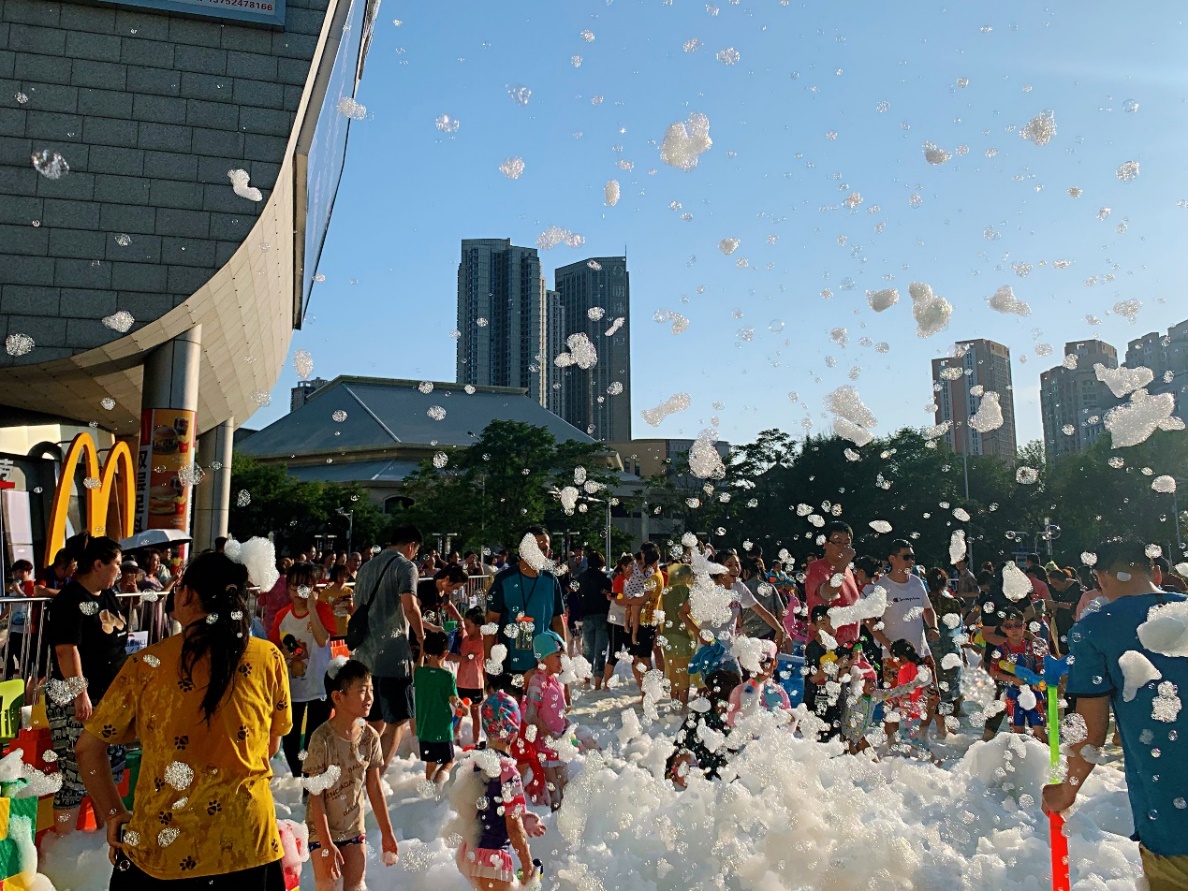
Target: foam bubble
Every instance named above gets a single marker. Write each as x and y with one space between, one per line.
239 184
684 143
1004 301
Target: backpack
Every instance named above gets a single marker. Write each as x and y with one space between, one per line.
359 625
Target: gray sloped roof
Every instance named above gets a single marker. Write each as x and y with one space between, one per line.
390 414
364 472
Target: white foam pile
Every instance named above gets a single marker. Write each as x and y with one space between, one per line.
789 814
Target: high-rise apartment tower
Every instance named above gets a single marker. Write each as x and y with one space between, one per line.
961 382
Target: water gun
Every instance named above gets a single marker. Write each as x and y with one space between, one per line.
461 710
1023 673
1054 670
294 646
536 880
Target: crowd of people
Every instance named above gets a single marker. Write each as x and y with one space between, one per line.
342 655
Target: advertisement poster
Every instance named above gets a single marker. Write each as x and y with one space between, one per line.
166 446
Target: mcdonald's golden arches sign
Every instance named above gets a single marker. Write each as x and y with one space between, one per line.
115 476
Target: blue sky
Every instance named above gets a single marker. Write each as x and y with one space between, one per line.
797 124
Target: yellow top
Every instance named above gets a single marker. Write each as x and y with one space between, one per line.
653 589
203 804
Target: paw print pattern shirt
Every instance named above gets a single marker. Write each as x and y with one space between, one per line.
203 803
94 624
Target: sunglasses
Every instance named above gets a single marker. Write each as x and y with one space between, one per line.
1008 626
911 557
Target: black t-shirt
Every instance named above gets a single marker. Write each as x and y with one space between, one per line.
1066 618
992 607
432 601
593 586
816 698
94 624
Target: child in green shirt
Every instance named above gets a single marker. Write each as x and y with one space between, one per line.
436 696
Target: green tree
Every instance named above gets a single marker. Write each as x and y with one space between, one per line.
507 480
293 511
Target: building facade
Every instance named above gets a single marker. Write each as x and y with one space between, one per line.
554 336
501 317
1073 401
1167 357
960 384
145 286
595 296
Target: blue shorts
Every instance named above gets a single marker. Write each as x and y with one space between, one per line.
1030 717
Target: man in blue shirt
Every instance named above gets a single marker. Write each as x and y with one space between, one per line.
524 600
1153 743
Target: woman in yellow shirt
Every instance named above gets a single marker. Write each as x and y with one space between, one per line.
209 707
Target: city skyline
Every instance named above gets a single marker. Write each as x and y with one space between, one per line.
816 190
553 328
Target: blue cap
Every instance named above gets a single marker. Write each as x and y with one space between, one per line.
546 643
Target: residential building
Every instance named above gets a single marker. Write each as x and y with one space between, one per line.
300 394
501 317
554 343
595 296
1073 401
1167 356
961 383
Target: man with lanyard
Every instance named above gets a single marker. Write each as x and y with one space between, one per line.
1137 625
523 601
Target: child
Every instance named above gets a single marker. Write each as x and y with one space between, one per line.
758 690
337 842
435 695
302 630
907 706
1021 650
544 711
692 748
493 816
822 666
794 621
864 710
471 677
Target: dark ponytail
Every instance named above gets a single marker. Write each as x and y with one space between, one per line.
221 637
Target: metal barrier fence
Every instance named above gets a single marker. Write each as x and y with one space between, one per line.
25 647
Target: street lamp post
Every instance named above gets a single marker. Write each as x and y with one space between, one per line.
350 515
